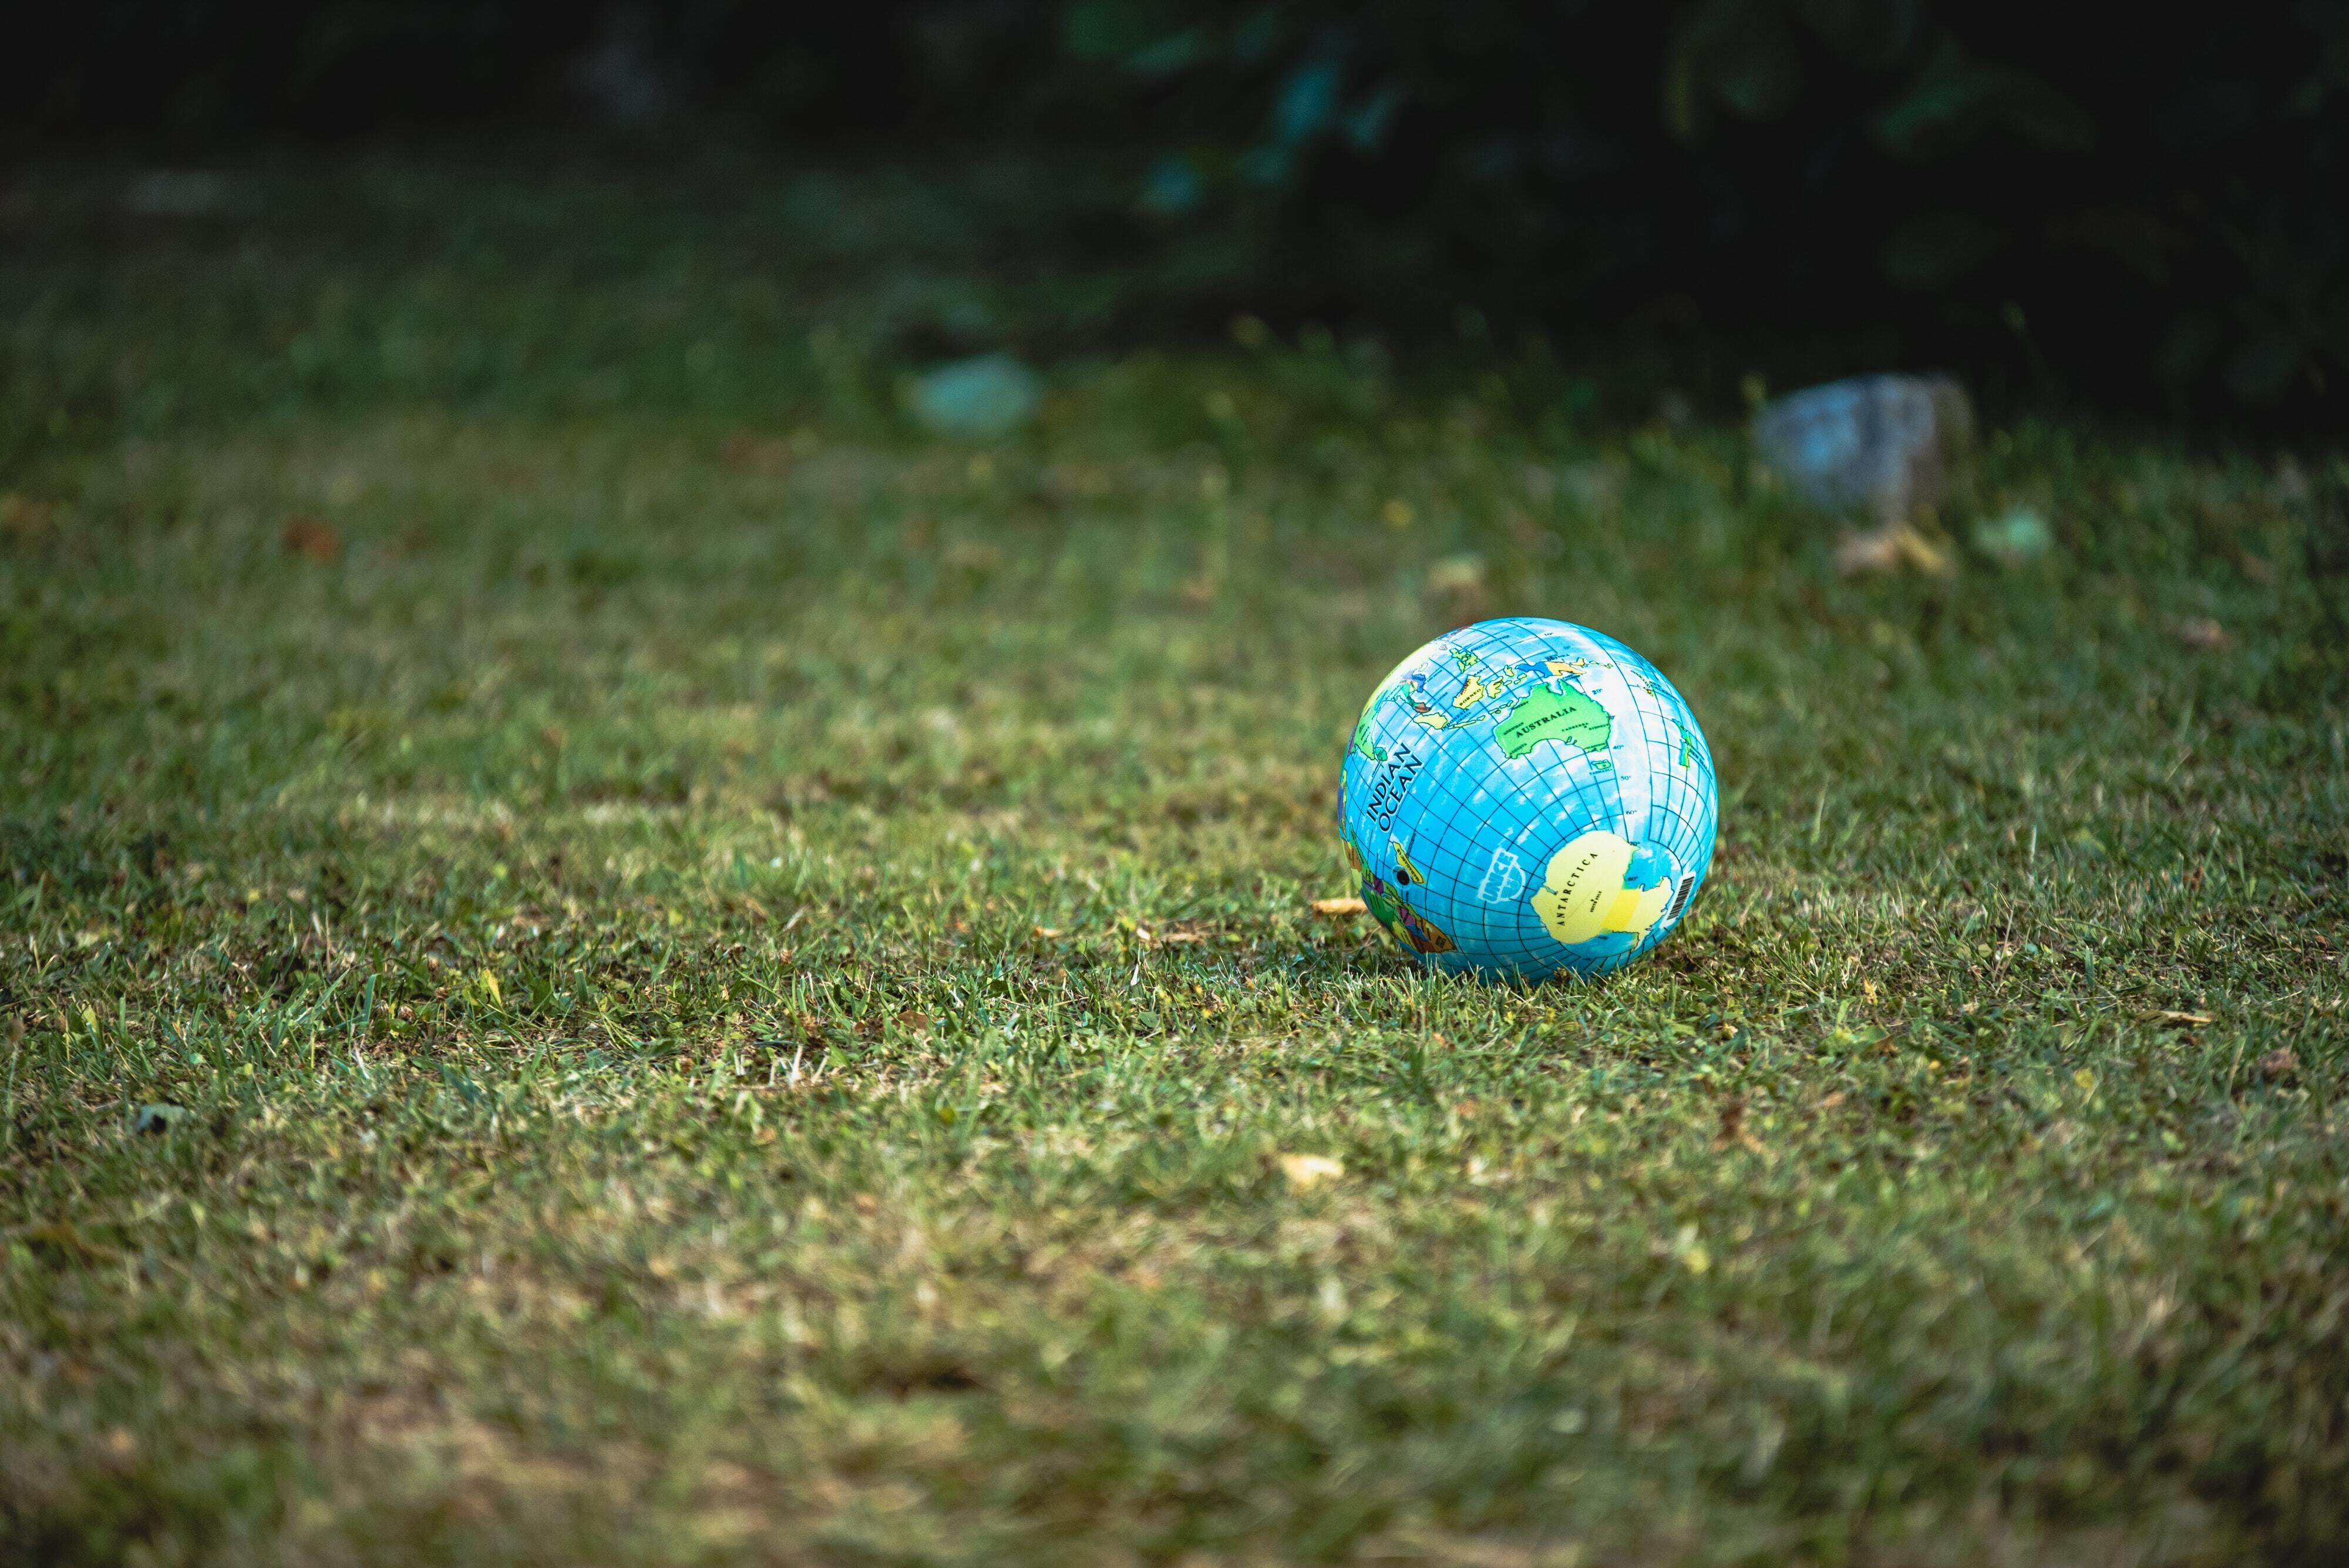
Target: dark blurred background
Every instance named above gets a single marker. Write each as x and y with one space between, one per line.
2122 207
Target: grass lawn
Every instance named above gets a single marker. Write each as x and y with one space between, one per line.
608 955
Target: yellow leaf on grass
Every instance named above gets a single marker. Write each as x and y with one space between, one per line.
1305 1170
1340 907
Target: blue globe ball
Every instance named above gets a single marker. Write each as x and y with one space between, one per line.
1524 797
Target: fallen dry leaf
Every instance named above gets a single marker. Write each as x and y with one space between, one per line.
1340 907
1179 934
2202 633
1049 932
745 453
65 1238
1856 553
1888 549
2278 1064
312 537
21 514
1305 1170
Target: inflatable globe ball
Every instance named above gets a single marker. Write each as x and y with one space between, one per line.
1523 797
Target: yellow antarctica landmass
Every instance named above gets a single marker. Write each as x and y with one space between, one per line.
1583 896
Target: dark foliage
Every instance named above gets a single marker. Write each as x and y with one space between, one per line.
2109 197
164 76
2120 201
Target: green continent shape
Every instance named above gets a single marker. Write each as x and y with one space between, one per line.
1555 713
1387 689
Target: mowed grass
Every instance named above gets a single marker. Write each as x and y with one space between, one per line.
680 974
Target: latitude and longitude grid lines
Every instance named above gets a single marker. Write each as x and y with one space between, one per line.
1453 831
1472 814
1475 812
1689 838
1567 795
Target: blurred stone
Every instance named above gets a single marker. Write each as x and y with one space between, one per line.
981 398
1885 445
2020 536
